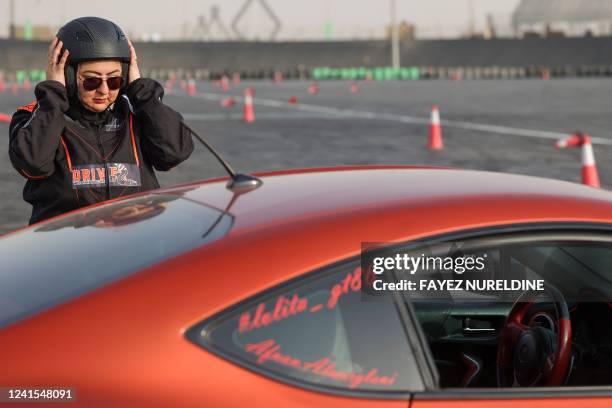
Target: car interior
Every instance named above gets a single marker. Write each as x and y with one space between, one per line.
561 336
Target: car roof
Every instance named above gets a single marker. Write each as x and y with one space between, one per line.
454 198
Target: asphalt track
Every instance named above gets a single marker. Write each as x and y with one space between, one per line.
495 125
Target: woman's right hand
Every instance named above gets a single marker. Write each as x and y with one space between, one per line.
55 68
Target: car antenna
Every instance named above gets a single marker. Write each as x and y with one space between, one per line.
239 183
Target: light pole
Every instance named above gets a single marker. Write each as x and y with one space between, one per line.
395 38
62 12
472 23
12 33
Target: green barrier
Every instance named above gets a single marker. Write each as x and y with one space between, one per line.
326 73
317 73
389 73
20 76
361 73
37 75
394 73
379 74
408 73
322 73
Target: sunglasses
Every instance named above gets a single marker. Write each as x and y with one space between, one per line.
92 83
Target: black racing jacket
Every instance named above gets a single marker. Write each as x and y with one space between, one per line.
72 157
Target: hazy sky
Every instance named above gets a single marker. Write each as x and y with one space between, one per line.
300 19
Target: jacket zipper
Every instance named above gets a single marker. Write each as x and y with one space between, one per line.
99 139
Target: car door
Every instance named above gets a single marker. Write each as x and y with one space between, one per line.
576 259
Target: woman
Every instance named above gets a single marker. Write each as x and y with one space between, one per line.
97 129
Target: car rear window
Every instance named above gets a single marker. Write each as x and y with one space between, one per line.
318 333
59 260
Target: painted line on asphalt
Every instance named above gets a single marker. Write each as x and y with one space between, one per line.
338 112
216 117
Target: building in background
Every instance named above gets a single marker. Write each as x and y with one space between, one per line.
407 31
554 18
34 32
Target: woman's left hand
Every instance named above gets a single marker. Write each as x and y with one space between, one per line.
133 72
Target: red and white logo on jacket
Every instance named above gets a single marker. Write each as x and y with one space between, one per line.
99 175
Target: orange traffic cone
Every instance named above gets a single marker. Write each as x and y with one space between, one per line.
354 87
4 118
313 89
14 88
228 102
170 82
225 83
590 177
236 78
2 85
26 84
278 77
249 113
191 87
435 130
293 100
572 141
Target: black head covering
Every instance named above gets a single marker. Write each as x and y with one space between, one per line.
93 38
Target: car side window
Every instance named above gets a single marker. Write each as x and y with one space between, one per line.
317 332
466 329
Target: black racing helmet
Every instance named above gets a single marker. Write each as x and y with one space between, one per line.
93 38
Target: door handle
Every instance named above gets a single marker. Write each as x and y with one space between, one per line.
469 330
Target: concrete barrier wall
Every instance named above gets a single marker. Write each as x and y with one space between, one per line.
236 56
219 55
546 52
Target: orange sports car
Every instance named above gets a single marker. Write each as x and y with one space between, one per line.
199 295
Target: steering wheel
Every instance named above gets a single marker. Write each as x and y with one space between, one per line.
529 356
